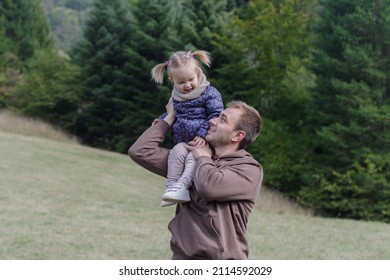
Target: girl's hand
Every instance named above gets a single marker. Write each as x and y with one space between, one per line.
169 107
200 151
170 118
198 142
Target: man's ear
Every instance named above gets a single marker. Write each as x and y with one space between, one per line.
239 136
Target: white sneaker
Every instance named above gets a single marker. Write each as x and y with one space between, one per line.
176 192
166 203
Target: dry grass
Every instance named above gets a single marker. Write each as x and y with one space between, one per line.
10 122
269 200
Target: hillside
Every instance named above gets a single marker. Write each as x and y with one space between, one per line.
67 201
66 19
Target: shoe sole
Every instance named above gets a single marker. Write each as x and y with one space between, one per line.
167 203
175 200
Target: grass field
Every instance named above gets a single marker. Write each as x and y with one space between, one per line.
62 200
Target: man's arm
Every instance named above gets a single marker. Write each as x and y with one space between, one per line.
241 181
146 151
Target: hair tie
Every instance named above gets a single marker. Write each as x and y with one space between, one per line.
168 62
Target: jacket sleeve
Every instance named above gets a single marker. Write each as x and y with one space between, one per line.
239 181
162 116
214 107
146 151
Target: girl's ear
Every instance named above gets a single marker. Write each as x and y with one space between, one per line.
170 80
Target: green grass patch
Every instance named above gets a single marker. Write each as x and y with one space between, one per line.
67 201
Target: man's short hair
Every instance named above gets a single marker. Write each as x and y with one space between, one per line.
250 122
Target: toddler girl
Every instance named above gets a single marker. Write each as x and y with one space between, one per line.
195 103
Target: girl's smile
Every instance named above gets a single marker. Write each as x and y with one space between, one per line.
184 79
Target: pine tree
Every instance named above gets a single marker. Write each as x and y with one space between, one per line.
351 113
26 27
267 41
267 55
49 90
152 44
3 38
234 4
24 31
198 23
3 49
106 87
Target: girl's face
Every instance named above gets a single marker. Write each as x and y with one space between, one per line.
185 79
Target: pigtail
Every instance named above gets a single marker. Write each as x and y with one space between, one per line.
158 72
180 58
203 56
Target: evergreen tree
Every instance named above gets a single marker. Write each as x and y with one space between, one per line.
4 91
106 88
198 23
154 20
26 27
49 90
151 44
3 38
351 111
268 41
234 4
267 54
24 31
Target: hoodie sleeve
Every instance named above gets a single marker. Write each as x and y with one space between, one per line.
162 116
146 151
239 180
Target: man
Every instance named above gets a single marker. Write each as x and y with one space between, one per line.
226 185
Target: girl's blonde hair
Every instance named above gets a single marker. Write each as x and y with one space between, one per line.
179 59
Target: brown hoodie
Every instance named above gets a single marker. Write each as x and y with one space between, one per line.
213 224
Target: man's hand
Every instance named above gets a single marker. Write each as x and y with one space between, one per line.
203 150
197 142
